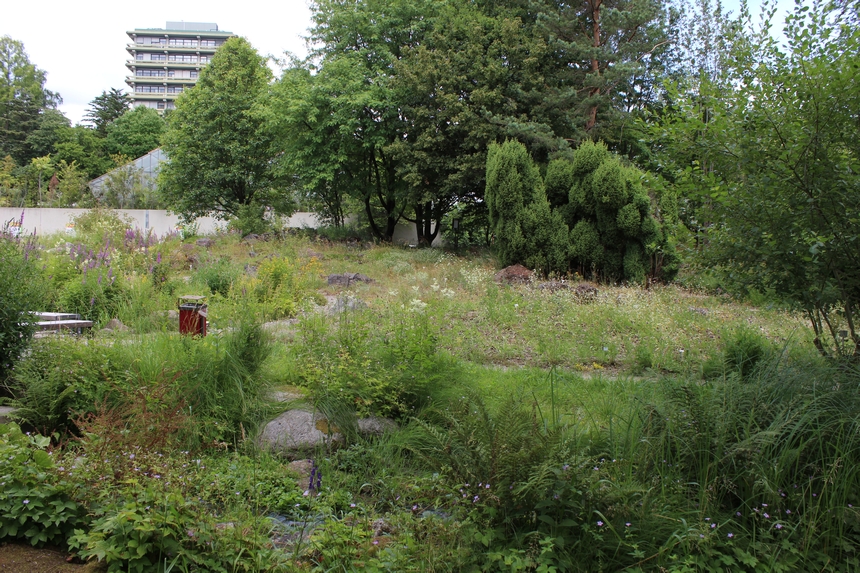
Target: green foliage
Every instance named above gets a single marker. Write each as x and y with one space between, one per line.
774 168
218 275
614 230
220 147
251 219
19 294
97 228
22 99
59 380
96 295
151 529
384 373
106 108
620 234
217 380
526 230
35 504
134 133
744 350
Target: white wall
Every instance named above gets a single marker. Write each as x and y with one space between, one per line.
48 221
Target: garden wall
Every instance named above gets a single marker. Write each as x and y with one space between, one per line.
52 220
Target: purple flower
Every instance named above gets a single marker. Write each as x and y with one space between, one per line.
627 524
26 501
730 535
599 523
778 526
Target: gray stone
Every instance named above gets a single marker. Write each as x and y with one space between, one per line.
205 242
4 414
345 303
294 430
173 314
116 324
376 426
346 279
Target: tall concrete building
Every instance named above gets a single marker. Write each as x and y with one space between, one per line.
164 62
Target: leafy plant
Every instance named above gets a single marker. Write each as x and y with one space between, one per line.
35 504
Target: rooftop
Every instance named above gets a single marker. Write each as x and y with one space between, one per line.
186 27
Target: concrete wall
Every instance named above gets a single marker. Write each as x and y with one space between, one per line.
48 221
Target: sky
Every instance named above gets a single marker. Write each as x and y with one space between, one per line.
81 43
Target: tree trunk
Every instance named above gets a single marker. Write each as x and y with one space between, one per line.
595 63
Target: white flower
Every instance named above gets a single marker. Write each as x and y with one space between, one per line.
417 305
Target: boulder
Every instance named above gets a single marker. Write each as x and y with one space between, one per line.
5 412
205 242
292 431
347 279
300 430
374 426
345 303
553 286
514 274
117 325
585 292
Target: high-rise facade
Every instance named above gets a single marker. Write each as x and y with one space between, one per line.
164 62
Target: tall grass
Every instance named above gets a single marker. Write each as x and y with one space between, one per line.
762 465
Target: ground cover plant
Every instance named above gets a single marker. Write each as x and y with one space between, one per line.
540 428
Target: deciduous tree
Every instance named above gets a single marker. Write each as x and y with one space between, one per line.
220 147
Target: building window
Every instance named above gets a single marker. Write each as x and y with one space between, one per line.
149 89
205 59
160 105
150 41
186 59
194 75
174 90
150 73
183 43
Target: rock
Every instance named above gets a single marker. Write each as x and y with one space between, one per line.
553 286
514 274
116 324
585 292
311 254
294 430
345 303
347 279
381 527
376 426
173 314
205 242
302 469
702 311
252 253
5 411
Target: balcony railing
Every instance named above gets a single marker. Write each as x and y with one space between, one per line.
169 48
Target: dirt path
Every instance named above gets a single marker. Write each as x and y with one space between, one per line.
16 558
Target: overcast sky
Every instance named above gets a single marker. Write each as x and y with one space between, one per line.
81 43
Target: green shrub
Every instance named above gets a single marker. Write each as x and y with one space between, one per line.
150 529
526 229
19 294
61 379
35 505
744 349
99 226
96 295
218 275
